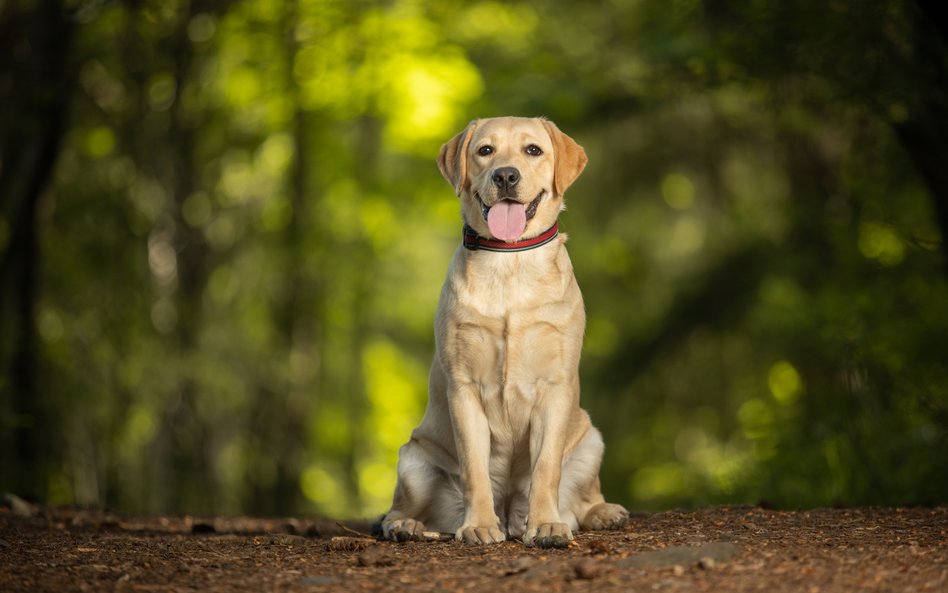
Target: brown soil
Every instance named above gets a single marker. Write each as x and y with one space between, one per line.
716 549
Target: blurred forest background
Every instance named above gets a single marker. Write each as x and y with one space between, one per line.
223 234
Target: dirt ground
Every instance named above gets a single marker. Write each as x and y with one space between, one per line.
715 549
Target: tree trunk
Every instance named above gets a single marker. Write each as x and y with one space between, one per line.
38 96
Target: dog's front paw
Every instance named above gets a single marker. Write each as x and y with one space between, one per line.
548 535
480 535
403 530
605 516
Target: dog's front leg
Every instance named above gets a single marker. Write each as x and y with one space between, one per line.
545 528
472 437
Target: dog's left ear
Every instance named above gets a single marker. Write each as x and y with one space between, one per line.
569 158
452 160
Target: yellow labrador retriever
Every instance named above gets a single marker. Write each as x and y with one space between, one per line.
504 450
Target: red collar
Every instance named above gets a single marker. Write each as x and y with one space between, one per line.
473 241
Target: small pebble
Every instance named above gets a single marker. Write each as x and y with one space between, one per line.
586 568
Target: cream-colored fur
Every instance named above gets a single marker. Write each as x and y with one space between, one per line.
504 450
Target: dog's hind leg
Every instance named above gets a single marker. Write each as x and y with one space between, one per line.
581 500
424 494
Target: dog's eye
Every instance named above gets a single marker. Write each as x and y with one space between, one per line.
533 150
485 150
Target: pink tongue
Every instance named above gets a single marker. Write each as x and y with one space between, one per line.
507 220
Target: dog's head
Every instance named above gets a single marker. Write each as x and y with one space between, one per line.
511 173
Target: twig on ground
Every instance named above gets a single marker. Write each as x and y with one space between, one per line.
353 531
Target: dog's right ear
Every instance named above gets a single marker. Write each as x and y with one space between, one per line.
452 160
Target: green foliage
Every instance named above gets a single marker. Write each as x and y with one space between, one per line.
242 243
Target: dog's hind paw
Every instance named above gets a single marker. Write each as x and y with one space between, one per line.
403 530
605 516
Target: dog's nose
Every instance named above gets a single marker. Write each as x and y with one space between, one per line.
506 177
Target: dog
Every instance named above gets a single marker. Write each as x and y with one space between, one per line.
504 449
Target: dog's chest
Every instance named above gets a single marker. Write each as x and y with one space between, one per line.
516 330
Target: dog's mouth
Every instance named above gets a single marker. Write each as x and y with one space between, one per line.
507 219
530 210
